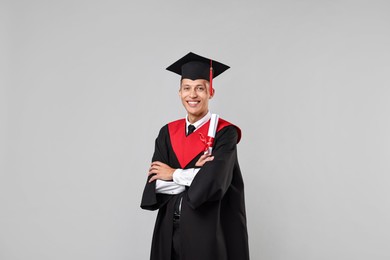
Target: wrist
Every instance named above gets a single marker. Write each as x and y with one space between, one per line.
176 175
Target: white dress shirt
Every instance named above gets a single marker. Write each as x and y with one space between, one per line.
181 177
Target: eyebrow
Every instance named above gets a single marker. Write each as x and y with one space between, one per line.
188 85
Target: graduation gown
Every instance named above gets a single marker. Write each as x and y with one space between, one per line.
213 218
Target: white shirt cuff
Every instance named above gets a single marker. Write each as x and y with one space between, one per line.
185 176
169 187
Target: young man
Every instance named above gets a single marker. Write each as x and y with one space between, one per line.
200 196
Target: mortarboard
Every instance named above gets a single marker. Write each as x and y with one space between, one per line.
193 66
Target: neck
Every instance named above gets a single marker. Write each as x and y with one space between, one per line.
193 118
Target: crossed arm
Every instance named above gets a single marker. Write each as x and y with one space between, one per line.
163 172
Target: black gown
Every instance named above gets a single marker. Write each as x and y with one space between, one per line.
213 219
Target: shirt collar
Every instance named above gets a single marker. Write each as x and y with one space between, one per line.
198 123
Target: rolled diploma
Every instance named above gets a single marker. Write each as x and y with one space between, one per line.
212 130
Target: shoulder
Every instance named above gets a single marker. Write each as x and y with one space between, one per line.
164 131
226 127
172 124
176 122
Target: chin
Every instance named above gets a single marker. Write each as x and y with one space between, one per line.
193 111
197 114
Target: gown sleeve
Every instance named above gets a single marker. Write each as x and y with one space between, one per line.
150 199
215 177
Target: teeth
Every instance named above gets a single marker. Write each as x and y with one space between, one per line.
193 102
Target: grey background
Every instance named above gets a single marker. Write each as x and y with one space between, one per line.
84 93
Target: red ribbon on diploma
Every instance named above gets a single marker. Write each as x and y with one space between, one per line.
207 142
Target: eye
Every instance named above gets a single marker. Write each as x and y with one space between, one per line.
201 88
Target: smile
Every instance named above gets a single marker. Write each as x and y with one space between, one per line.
193 103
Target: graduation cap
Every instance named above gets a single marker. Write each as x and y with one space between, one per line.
193 66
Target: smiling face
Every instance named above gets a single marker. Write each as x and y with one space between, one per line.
195 97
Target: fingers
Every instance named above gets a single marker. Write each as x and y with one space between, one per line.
203 159
157 163
160 171
153 170
155 167
206 157
153 178
203 156
210 158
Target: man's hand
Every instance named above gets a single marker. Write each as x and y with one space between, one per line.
203 159
161 170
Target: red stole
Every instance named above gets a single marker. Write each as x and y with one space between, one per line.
187 148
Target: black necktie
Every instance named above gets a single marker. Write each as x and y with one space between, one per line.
191 129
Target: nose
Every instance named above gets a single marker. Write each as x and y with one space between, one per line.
193 93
